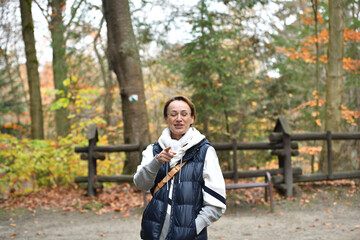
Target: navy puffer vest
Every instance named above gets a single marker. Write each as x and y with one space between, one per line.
186 202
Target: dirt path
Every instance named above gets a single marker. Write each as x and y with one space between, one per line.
329 214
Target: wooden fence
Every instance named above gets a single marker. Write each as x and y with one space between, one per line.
282 142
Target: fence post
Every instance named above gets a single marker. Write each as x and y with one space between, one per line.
288 171
92 136
330 156
282 126
234 148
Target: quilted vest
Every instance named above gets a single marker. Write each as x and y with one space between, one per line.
186 202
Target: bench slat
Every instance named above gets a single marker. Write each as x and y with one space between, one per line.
246 185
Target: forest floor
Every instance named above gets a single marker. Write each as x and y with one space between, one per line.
328 211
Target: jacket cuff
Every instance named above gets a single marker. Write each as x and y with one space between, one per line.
154 166
200 224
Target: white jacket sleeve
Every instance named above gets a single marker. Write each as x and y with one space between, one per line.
214 192
146 172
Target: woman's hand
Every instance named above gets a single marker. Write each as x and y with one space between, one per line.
165 156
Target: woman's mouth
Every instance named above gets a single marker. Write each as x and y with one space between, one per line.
178 126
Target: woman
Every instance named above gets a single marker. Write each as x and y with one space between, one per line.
185 204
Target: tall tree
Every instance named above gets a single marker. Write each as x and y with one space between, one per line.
60 68
124 60
36 113
106 77
12 85
334 74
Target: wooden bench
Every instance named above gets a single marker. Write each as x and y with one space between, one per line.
267 185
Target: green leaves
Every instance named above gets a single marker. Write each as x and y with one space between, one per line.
29 164
60 103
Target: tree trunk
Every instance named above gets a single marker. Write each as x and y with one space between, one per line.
334 77
60 67
36 113
124 60
108 85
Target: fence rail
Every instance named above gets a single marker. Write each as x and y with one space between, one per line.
283 144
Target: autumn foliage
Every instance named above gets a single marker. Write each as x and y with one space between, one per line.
119 198
306 52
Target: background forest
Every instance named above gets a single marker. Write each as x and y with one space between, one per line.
243 63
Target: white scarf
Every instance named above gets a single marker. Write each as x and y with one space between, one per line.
190 138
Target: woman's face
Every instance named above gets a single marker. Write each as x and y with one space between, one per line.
178 118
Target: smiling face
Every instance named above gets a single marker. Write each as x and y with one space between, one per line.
178 118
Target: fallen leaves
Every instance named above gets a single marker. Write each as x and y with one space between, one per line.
120 198
13 235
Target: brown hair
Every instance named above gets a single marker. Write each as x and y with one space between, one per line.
184 99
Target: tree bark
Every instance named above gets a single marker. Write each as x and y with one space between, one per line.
334 76
124 60
36 113
60 67
109 83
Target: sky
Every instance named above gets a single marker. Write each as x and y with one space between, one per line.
150 13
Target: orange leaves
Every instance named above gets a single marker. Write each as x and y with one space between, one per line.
346 114
349 116
293 54
350 34
307 17
307 51
323 38
310 150
351 65
16 127
311 103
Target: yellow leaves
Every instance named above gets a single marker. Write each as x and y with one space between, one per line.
69 80
66 82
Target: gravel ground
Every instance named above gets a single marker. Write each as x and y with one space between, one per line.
332 213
